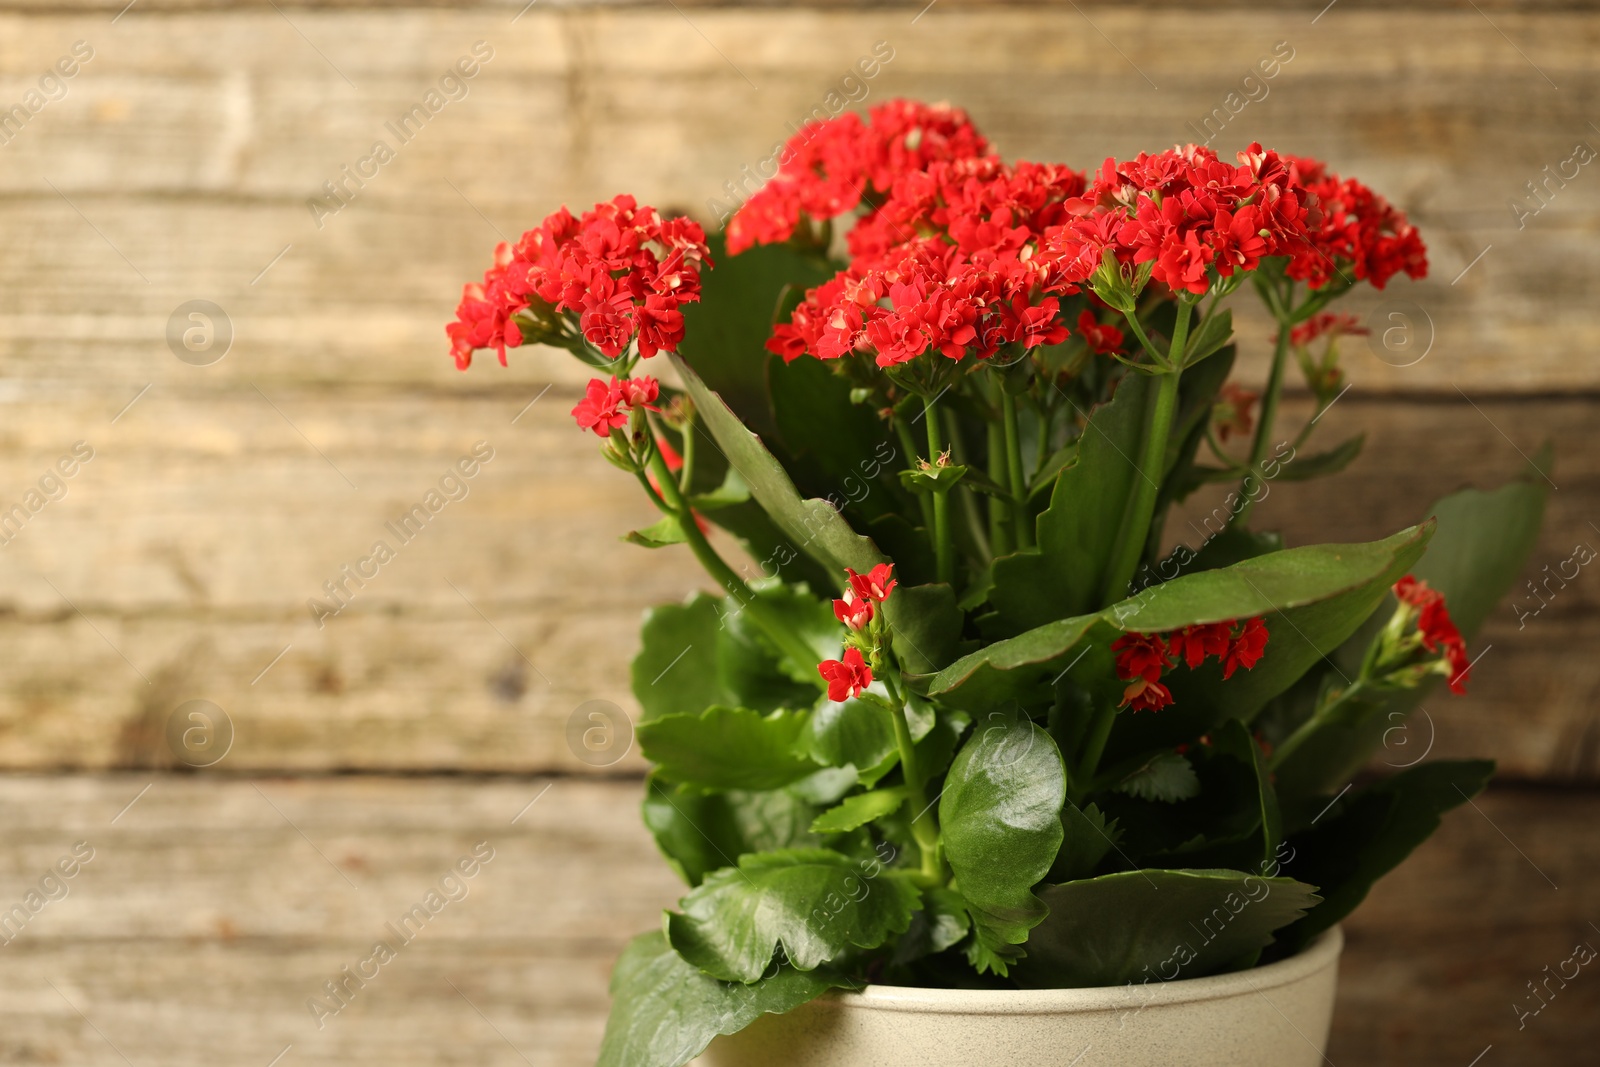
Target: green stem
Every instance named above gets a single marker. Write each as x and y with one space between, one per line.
924 824
999 518
1308 729
909 445
770 622
970 510
1152 468
1269 409
1019 503
943 544
1094 748
686 472
1138 331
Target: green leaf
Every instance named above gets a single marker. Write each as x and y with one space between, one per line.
702 832
1157 925
854 733
1166 777
1000 818
836 449
659 535
1086 839
1332 461
732 491
702 652
1062 576
859 810
1483 541
940 923
925 624
1367 835
1212 334
725 333
664 1012
727 748
1233 738
816 903
935 479
1312 597
812 525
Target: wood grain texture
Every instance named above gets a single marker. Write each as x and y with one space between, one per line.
206 920
178 167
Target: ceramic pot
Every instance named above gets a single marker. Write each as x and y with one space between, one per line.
1272 1016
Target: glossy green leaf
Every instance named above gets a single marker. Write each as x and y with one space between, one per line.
702 652
1076 535
1364 836
925 624
812 525
664 1011
1000 818
727 748
816 903
1157 925
856 733
702 832
859 810
1312 597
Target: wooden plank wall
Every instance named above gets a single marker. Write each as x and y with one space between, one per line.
177 164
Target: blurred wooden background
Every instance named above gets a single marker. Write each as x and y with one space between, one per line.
177 164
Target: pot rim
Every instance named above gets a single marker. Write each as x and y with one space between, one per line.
1321 954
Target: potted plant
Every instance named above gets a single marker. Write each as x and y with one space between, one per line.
964 758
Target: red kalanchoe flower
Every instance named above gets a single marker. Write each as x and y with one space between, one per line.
1141 656
1246 649
639 392
1146 694
1102 338
1352 229
601 409
1438 630
846 678
854 613
605 405
875 585
1193 644
618 273
828 168
1231 414
1328 323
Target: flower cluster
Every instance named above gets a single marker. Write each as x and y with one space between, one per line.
1354 229
830 167
621 271
606 405
850 675
1143 658
1232 413
949 264
1436 629
1186 213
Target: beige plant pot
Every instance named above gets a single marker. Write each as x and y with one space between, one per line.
1273 1016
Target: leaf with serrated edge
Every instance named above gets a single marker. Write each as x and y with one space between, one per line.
816 903
664 1011
1000 815
727 748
